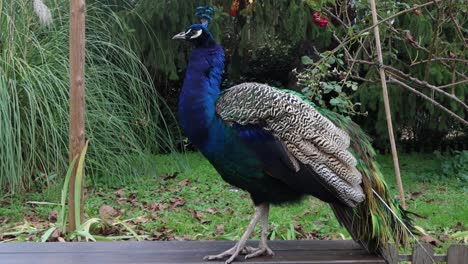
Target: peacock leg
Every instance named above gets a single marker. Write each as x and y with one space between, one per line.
260 212
263 248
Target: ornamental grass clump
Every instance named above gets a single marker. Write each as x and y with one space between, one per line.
123 113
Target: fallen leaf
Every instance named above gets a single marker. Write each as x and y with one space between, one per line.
300 230
442 189
107 211
132 196
184 238
32 218
306 212
176 202
4 220
431 240
170 176
140 220
5 203
195 215
219 229
164 234
55 235
120 192
318 222
100 194
414 195
211 211
444 237
314 235
122 200
53 216
135 203
183 182
153 207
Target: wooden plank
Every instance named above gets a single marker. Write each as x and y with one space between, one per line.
313 245
423 254
179 252
436 257
457 254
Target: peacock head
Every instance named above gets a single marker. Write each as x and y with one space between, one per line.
198 34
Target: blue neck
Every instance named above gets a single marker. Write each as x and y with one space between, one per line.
200 92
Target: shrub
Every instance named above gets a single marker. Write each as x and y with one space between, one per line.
123 117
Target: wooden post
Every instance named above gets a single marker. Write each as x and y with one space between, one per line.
387 103
457 254
423 253
77 98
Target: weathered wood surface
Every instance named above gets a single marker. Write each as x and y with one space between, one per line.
423 254
457 254
178 252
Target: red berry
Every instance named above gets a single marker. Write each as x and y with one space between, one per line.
320 20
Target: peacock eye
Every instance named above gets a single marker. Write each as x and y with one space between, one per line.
197 34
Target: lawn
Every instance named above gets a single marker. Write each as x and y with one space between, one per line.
191 202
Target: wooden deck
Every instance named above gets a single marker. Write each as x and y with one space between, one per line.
178 252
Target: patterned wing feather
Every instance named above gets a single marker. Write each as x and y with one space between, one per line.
309 137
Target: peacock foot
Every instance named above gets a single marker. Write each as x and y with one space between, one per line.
260 251
250 252
229 253
261 213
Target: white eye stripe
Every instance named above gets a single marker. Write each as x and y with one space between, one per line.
188 31
197 34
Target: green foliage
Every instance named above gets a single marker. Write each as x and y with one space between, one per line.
437 29
123 109
253 29
266 40
326 85
454 166
406 49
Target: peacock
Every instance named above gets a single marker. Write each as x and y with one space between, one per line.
279 147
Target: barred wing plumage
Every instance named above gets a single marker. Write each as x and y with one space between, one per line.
309 137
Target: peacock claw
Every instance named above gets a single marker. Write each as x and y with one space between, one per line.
230 252
261 251
261 212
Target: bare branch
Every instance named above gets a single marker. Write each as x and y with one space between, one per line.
453 84
440 59
397 73
433 43
463 121
360 33
364 62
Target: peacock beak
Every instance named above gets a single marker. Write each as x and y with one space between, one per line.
181 35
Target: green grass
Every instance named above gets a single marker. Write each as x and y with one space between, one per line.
223 212
123 110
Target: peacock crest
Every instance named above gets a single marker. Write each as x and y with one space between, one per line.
205 14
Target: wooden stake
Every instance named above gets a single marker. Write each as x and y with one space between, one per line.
77 98
387 103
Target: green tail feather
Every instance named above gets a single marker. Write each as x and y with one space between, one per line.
371 223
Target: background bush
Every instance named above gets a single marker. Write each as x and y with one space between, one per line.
123 109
